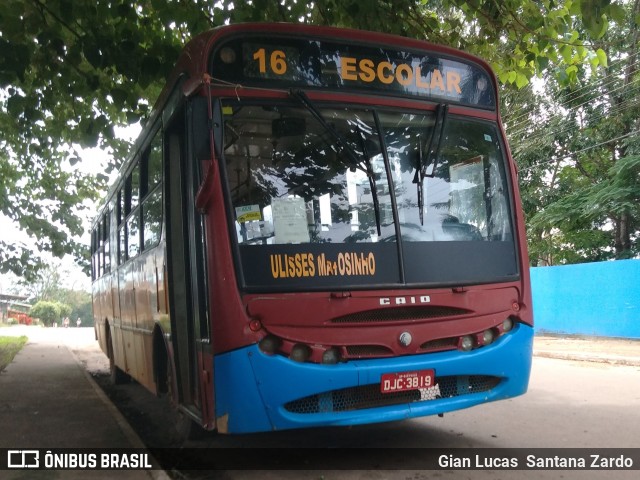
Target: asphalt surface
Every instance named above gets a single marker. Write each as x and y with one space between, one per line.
49 400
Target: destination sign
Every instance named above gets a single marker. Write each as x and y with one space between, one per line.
288 62
319 265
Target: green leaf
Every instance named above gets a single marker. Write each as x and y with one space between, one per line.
521 80
602 57
574 7
542 63
617 13
567 53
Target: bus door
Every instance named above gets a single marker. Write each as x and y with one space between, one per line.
187 302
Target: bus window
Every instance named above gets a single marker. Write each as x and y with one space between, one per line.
464 189
121 207
152 218
133 235
105 235
154 163
122 239
290 182
151 192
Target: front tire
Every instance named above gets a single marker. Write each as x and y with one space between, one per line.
183 427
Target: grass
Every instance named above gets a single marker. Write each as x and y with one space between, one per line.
9 347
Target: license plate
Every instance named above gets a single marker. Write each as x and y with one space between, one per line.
400 382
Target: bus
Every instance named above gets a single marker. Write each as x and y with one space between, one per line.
316 227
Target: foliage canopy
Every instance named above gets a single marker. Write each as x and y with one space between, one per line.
72 70
578 149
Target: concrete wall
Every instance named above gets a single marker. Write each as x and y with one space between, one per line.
588 299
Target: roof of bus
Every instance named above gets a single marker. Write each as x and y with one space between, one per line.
194 58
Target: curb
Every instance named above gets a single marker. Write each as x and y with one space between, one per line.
610 360
129 433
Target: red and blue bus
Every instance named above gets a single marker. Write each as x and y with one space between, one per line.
317 226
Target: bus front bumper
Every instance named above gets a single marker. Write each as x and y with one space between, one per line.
258 392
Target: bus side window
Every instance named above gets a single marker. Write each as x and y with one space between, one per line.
133 234
105 238
122 240
132 213
99 248
93 254
151 194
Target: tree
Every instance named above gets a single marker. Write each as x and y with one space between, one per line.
582 166
48 312
72 70
44 285
47 286
64 309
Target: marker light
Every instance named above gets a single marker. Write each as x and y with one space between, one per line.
487 337
300 353
228 55
331 356
507 325
255 325
466 343
270 344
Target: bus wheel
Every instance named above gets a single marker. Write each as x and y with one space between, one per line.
183 427
117 376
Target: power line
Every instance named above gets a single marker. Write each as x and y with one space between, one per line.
601 83
572 154
542 132
635 84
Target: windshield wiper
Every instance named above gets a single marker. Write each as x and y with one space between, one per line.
435 141
372 182
355 160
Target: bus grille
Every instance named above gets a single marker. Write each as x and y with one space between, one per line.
399 314
440 344
369 396
368 351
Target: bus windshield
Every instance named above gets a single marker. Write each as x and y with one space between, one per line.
335 197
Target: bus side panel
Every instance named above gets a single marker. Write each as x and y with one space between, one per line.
98 319
238 404
146 308
262 385
141 321
125 344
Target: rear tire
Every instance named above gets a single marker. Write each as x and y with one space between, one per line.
117 376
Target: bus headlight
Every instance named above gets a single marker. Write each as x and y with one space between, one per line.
300 353
487 337
507 325
466 343
270 344
331 356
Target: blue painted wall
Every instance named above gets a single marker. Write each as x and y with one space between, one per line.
588 299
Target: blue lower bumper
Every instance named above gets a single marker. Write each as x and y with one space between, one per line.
252 388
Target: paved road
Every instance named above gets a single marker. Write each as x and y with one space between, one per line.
569 404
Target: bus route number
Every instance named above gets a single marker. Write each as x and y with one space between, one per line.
277 61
